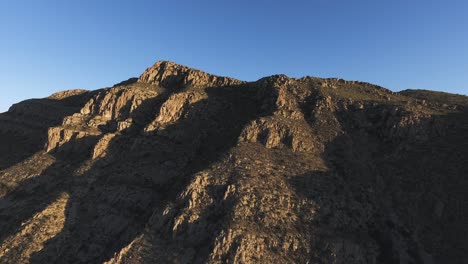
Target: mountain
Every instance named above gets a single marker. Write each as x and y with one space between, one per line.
181 166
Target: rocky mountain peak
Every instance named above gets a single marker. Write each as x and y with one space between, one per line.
170 75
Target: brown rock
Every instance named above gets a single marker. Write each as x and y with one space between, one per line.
180 166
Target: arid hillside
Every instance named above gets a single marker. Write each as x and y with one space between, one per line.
180 166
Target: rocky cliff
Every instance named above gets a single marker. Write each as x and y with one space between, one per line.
180 166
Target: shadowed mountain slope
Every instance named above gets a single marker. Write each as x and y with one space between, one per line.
180 166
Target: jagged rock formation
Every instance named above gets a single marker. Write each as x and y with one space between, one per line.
180 166
167 74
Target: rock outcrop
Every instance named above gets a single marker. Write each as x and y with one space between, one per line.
180 166
169 75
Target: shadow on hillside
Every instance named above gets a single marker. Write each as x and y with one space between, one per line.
112 198
401 182
24 126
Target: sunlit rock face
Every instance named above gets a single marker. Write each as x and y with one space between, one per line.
181 166
174 76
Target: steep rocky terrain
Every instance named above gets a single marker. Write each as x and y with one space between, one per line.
180 166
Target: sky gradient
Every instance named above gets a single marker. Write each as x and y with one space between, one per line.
48 46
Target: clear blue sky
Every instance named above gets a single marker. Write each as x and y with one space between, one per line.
47 46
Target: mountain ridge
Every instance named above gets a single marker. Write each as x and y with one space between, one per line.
181 166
